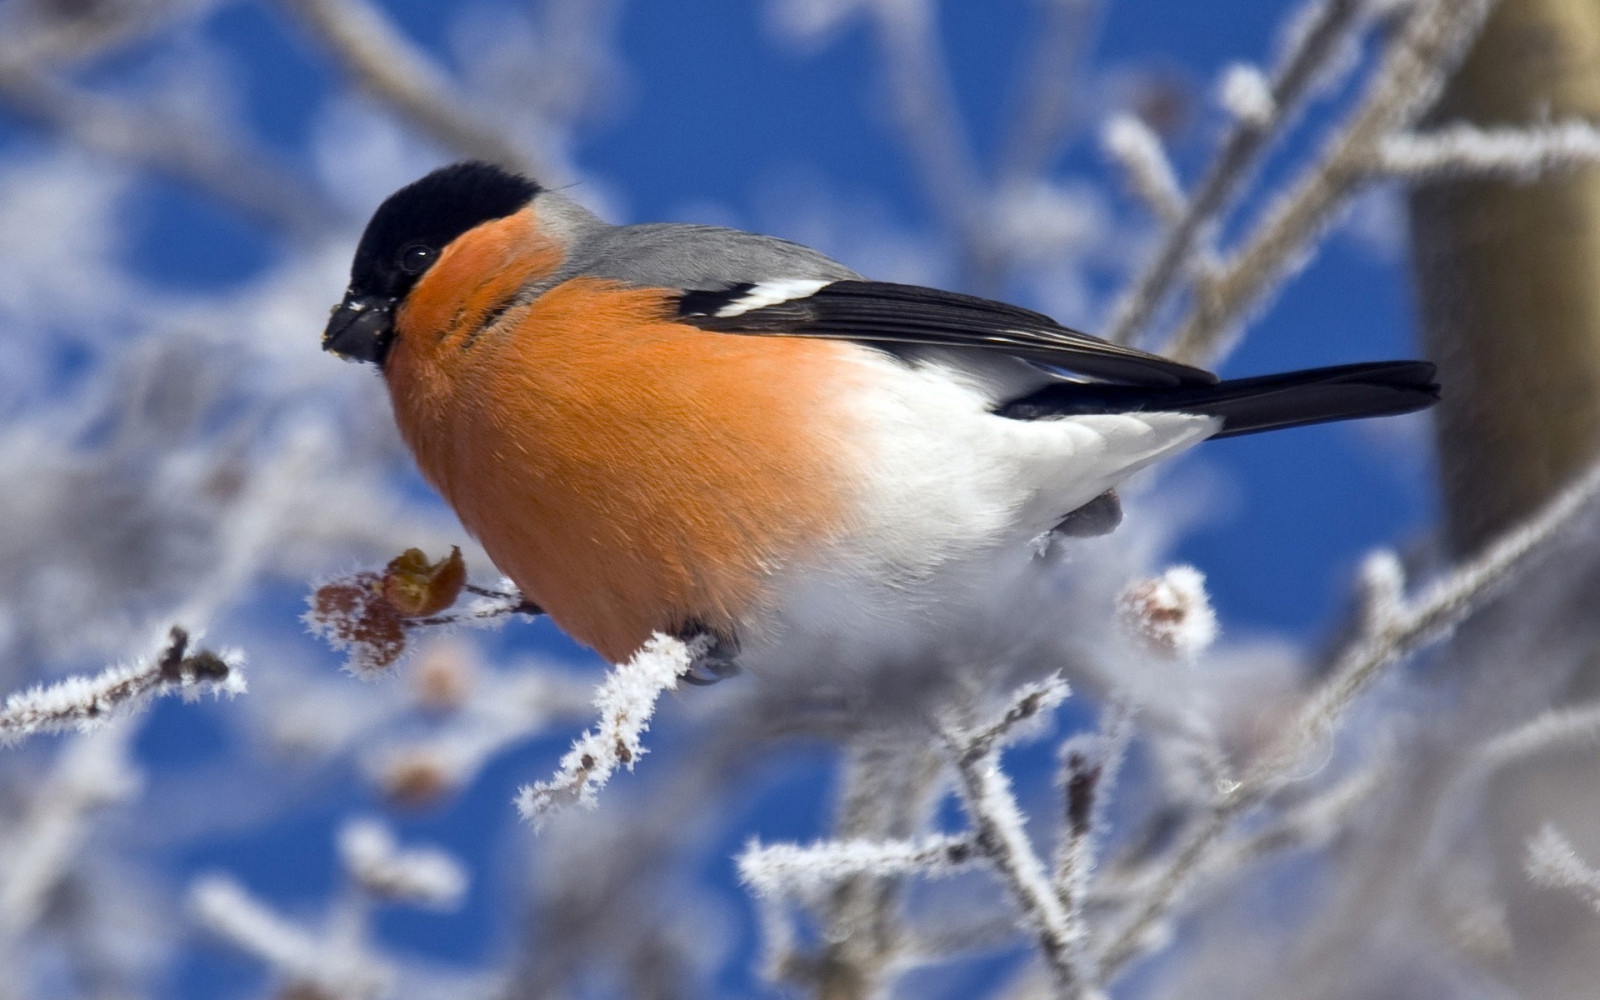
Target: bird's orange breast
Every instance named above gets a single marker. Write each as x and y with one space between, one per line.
631 474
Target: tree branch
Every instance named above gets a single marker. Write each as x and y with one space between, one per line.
388 66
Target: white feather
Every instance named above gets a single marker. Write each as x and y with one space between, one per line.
770 293
948 498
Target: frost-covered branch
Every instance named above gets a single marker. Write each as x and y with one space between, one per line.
322 965
1391 628
71 35
1551 730
1001 833
81 703
43 839
924 109
806 872
1411 73
1138 149
626 701
188 151
1522 153
1088 770
420 876
383 62
1553 861
1046 89
1327 25
336 960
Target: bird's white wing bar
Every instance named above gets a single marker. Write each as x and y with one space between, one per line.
771 293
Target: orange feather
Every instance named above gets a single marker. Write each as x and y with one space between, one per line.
629 473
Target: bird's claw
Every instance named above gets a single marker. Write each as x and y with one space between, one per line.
709 669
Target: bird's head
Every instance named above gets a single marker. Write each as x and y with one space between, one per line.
405 237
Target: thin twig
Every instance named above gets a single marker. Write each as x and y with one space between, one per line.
1552 861
182 149
1520 154
1409 78
1150 175
1001 834
1331 22
42 42
625 700
1390 634
81 703
924 109
383 62
1045 104
792 870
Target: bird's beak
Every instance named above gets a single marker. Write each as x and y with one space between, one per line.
360 328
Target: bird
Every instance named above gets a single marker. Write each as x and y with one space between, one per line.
699 431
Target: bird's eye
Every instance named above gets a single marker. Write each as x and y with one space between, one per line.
415 258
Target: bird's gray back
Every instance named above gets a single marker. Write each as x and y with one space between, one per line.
678 255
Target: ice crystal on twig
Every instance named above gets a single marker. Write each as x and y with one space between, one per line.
625 700
1171 613
1137 148
81 703
1553 861
793 870
1247 94
419 876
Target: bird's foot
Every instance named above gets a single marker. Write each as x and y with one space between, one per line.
715 656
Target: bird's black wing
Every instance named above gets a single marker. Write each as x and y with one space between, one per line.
881 312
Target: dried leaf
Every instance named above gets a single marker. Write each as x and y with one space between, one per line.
352 614
416 588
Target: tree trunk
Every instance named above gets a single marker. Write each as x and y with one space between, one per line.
1508 278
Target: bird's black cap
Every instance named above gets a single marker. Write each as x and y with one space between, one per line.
403 239
430 213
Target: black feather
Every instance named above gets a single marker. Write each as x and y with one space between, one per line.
1249 405
909 315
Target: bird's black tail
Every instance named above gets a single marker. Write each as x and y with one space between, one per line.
1248 405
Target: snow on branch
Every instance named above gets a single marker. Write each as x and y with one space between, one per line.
1548 731
386 64
922 99
1392 627
626 700
1170 614
1088 768
1001 834
186 150
425 877
1247 94
1029 705
1138 150
1515 153
82 703
1412 71
337 959
323 965
1552 861
1327 26
807 872
44 840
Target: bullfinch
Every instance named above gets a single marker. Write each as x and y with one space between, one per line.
695 430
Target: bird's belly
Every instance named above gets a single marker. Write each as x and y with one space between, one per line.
634 477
